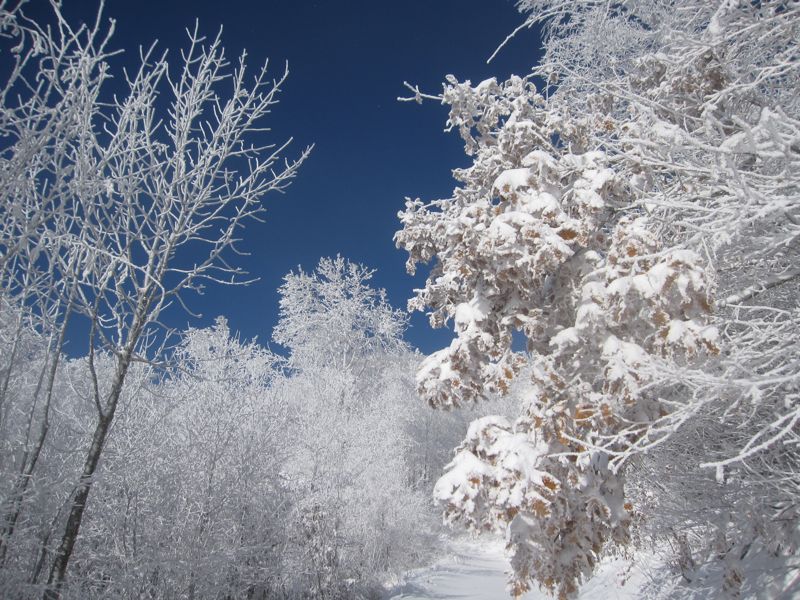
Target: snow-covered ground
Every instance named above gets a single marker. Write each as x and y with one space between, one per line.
475 570
472 570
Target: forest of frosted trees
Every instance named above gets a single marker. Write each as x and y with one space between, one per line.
630 209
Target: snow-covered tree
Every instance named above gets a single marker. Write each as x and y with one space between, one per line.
636 218
357 513
332 317
189 497
115 205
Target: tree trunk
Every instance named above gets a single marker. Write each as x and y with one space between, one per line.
58 570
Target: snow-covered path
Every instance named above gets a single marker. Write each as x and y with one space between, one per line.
475 570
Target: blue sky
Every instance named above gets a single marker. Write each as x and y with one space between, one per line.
347 62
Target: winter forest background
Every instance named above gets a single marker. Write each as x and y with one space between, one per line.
618 265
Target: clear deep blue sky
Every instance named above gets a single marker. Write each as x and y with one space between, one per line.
348 60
